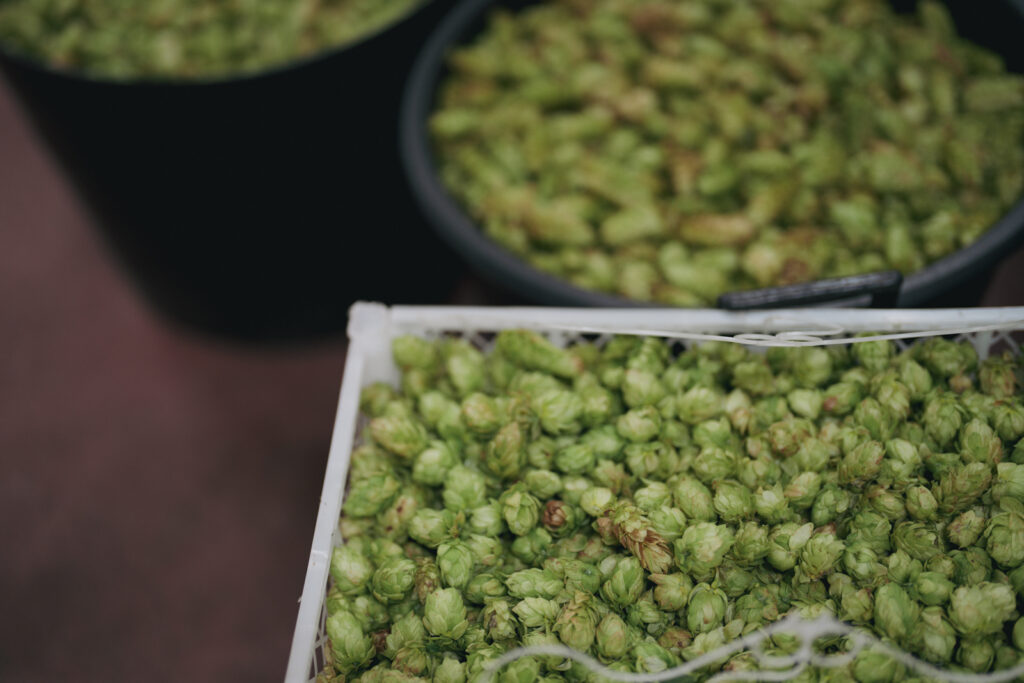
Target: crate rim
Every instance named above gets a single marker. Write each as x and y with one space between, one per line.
372 325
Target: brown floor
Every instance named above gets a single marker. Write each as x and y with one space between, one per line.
158 488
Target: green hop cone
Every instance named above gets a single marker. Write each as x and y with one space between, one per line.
671 591
520 509
641 388
971 566
543 484
656 495
351 649
498 621
455 562
645 615
1008 420
857 606
861 562
639 424
841 398
487 519
895 612
536 612
393 580
403 436
465 367
862 464
405 631
921 504
802 490
1018 634
917 540
706 608
431 527
483 588
444 614
733 501
612 638
980 443
975 654
350 570
785 542
559 411
932 588
961 486
750 545
596 500
533 583
481 415
506 452
933 638
699 403
531 351
668 522
806 403
450 670
998 377
577 458
875 666
1009 482
942 418
576 624
831 503
371 496
693 498
1004 539
625 583
982 609
415 352
771 505
702 548
464 489
819 556
432 463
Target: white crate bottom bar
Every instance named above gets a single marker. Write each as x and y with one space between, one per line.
372 327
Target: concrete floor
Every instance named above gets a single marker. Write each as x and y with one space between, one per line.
157 488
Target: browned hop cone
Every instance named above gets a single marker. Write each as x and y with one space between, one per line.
554 514
627 524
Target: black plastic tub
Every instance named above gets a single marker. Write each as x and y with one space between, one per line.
257 207
955 280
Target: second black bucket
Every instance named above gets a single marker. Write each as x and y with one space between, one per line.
255 208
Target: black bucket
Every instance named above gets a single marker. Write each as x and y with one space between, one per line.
956 280
258 207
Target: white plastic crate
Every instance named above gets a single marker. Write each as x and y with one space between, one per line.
372 327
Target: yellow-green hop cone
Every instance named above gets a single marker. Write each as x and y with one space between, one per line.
351 649
403 436
536 612
351 570
444 614
981 609
450 670
532 351
520 509
1004 539
998 377
534 583
625 583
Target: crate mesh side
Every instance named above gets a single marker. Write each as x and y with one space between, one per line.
985 343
